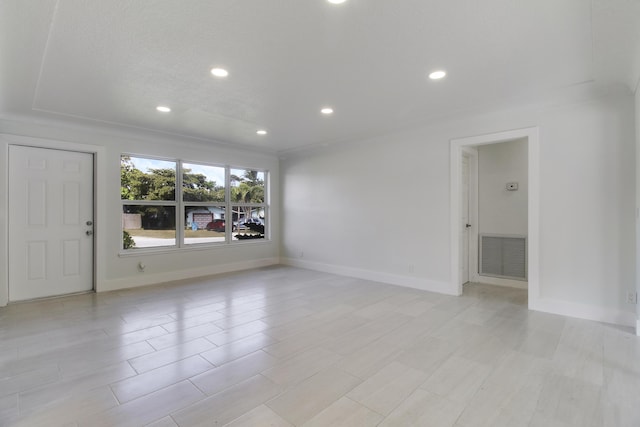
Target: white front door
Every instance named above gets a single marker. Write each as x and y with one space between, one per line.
50 222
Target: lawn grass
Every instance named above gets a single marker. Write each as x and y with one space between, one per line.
171 234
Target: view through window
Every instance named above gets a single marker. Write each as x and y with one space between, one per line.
169 203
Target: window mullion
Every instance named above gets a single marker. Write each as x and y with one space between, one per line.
227 205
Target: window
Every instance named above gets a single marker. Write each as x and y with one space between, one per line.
248 203
148 193
169 203
203 196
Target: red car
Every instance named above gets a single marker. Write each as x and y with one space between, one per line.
218 225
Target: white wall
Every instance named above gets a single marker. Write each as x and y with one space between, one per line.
114 271
379 208
501 211
637 264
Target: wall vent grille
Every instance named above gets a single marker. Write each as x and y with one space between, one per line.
503 256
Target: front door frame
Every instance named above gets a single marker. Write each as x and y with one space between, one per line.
533 158
99 204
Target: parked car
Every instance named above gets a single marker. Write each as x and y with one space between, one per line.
218 225
248 221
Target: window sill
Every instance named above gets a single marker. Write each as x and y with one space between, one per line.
191 248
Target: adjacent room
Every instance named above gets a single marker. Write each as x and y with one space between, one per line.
319 213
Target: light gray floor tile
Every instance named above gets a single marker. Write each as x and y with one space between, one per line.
458 379
163 422
9 407
75 386
28 380
422 408
160 358
232 373
386 389
232 351
369 359
191 322
568 401
305 400
173 339
290 346
159 378
345 413
68 410
427 354
146 409
301 366
296 343
229 404
234 334
258 417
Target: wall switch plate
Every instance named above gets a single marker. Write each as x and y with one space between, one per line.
512 186
632 297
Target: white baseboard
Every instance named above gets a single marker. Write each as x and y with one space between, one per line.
145 279
498 281
393 279
588 312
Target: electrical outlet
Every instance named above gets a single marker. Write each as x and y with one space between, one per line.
632 297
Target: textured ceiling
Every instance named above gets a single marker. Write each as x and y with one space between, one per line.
114 61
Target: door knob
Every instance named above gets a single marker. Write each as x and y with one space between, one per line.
89 222
89 232
468 225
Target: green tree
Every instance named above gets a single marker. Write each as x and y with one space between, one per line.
134 184
248 188
160 184
196 188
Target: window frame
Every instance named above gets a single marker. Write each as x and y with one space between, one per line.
180 206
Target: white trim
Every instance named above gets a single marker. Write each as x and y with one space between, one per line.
588 312
145 279
533 250
4 232
376 276
499 281
100 228
638 327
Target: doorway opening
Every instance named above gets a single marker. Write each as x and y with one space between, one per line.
465 259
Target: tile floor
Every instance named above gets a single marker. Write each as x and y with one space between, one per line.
282 346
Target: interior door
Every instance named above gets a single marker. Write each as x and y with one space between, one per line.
464 220
50 222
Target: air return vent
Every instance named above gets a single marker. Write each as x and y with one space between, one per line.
503 256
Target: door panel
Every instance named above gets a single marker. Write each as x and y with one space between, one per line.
464 220
50 205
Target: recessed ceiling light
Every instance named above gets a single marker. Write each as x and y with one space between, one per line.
219 72
437 75
163 109
327 110
336 1
261 132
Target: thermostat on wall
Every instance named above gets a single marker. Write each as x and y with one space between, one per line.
512 186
